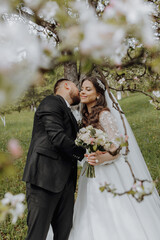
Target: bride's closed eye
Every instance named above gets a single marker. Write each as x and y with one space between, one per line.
87 89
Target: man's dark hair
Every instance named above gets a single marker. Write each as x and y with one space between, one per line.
58 83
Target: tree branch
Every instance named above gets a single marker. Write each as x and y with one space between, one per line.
39 21
137 90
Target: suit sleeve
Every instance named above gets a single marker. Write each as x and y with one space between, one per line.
52 119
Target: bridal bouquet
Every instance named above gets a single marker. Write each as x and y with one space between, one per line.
92 139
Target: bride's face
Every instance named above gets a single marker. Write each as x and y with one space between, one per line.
88 93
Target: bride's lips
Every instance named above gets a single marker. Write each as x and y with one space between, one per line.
83 96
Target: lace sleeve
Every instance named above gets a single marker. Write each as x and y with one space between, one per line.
109 125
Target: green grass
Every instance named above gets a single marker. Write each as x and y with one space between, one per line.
145 123
142 117
18 125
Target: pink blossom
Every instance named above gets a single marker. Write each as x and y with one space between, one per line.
136 78
92 140
134 186
126 138
14 148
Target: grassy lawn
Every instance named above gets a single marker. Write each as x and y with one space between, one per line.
143 119
18 125
145 123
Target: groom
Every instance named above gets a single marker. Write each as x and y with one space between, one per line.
51 167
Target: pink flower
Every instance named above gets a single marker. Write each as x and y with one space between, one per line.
126 138
14 148
136 78
134 186
92 140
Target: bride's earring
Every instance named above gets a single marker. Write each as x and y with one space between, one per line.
97 97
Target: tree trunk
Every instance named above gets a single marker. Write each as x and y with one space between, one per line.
3 120
70 72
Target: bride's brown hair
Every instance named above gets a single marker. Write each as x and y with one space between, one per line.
101 104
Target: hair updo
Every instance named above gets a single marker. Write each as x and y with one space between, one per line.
101 104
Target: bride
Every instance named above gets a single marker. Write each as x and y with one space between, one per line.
98 215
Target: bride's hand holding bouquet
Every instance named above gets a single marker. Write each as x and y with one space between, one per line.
99 158
99 148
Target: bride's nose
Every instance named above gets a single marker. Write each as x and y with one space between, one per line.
82 92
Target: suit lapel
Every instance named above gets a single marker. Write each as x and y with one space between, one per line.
69 112
73 119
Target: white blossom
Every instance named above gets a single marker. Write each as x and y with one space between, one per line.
132 42
86 13
4 6
48 52
119 53
12 199
101 40
137 18
71 36
17 212
34 4
48 11
121 80
15 206
141 189
19 60
156 93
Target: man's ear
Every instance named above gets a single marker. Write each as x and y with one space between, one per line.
66 85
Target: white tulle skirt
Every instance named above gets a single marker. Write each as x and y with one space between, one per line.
100 216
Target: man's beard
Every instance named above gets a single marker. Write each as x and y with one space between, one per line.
75 98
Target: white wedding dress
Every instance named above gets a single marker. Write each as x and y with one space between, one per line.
100 216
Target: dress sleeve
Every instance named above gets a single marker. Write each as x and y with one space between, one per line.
109 125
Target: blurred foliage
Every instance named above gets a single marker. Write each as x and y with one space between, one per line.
34 95
6 165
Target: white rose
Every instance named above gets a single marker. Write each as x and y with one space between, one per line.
107 146
82 130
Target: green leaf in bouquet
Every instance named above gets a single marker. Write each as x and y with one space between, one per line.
92 132
100 148
95 148
90 149
84 145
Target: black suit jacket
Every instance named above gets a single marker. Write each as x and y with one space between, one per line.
52 156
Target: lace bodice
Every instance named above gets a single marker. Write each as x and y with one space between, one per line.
109 125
